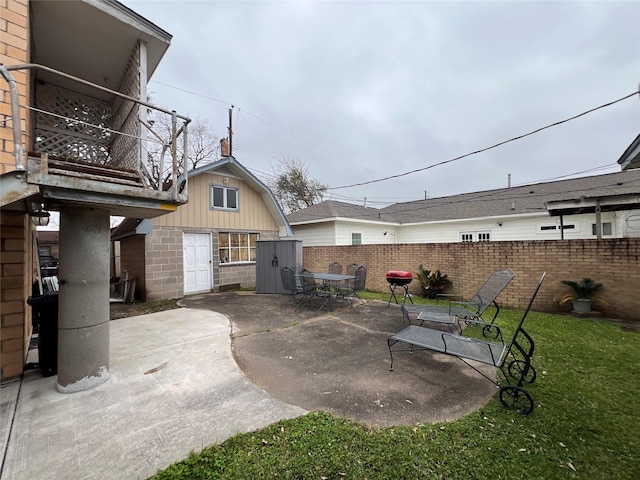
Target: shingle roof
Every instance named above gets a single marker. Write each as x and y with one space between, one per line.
489 203
331 209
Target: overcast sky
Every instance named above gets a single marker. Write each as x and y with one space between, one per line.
363 90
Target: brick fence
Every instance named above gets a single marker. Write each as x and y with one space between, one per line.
614 263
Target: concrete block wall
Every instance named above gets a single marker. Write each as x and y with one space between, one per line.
615 263
15 314
14 50
164 267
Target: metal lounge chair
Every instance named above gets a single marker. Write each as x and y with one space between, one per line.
467 310
513 359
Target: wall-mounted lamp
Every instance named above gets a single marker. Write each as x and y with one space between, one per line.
385 233
40 216
499 224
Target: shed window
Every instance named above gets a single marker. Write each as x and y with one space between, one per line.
237 247
356 239
224 198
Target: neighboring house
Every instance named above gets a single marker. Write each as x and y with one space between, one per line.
631 157
565 209
74 139
207 244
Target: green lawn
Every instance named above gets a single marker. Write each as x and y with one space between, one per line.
586 424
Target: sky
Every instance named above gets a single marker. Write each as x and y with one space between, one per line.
362 90
359 91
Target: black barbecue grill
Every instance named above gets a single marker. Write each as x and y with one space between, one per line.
399 278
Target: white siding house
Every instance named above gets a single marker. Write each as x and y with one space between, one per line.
566 209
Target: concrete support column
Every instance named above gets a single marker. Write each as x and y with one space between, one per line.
83 307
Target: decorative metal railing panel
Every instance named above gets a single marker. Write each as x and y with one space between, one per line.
88 137
125 148
68 124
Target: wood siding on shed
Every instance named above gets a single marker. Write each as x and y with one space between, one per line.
252 215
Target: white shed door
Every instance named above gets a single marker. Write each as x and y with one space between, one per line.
197 262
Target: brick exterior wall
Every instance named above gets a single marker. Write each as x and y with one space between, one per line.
14 50
15 229
15 317
615 263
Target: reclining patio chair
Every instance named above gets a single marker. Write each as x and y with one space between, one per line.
466 310
513 359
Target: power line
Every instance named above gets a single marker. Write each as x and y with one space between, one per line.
273 125
519 137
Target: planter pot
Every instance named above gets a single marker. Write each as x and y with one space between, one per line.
581 305
428 293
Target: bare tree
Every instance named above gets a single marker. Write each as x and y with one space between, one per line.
293 187
203 147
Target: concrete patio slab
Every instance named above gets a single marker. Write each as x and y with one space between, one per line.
174 388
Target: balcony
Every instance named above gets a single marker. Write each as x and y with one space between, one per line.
81 129
95 147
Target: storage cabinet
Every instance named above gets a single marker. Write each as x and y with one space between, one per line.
271 255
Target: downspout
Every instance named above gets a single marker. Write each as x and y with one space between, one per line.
18 151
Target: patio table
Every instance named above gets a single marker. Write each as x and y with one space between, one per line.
332 279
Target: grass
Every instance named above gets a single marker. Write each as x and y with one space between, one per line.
585 425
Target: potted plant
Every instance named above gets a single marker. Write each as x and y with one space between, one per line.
582 295
432 283
423 277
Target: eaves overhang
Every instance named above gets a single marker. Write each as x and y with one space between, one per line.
612 203
630 159
474 219
92 40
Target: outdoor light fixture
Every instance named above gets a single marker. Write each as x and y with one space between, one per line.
40 217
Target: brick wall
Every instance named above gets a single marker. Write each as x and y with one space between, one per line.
15 317
14 50
615 263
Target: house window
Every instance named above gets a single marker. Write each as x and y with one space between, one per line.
606 229
475 237
356 239
237 247
224 198
466 237
553 228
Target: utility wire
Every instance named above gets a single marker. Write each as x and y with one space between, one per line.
273 125
519 137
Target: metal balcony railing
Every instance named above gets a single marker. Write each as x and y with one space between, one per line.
92 131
